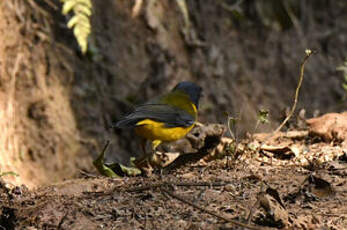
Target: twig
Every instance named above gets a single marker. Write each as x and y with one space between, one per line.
308 54
62 221
302 67
34 5
251 211
234 135
52 4
210 184
182 184
136 8
232 8
105 147
213 213
146 187
86 174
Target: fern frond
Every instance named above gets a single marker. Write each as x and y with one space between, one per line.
80 22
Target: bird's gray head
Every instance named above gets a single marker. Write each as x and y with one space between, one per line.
190 88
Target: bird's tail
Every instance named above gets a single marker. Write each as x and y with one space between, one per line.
126 123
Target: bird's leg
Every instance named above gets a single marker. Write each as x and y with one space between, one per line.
154 159
155 144
143 146
139 160
146 158
145 155
149 158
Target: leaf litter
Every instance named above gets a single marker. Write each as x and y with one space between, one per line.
297 180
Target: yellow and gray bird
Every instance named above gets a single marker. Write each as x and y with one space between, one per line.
166 118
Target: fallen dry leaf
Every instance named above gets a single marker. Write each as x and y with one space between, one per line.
331 126
319 187
164 159
276 215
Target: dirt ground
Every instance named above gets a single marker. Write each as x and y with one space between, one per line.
230 191
295 181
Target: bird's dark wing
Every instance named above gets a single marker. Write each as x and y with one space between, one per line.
171 116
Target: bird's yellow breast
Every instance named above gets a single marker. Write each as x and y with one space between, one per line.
153 130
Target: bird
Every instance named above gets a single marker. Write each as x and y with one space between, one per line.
166 118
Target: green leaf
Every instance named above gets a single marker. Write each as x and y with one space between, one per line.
114 170
263 116
130 171
231 124
344 85
101 167
10 173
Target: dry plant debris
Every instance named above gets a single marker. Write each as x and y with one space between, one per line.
210 188
331 127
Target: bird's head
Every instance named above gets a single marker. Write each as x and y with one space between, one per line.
190 88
